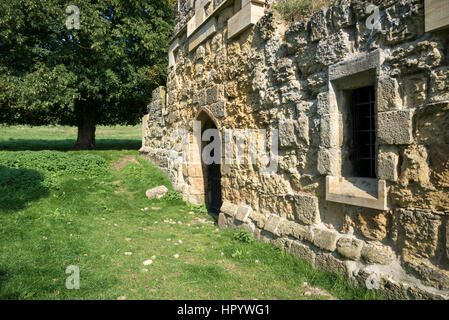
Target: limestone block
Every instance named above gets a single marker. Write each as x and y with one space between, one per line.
258 219
294 133
218 109
327 262
415 91
329 161
196 185
428 272
266 237
318 25
194 170
439 85
292 229
373 224
417 293
302 251
248 16
447 239
222 221
360 64
203 9
272 224
415 165
157 192
229 208
376 253
306 209
331 133
439 158
248 226
303 129
203 33
342 15
199 97
324 106
432 122
325 239
159 94
350 248
280 242
387 163
388 95
242 213
144 129
418 231
436 14
214 94
395 127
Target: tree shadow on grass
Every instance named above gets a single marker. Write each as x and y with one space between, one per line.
67 144
3 295
20 186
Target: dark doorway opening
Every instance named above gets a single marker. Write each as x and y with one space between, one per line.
212 172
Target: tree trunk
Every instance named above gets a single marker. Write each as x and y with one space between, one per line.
86 128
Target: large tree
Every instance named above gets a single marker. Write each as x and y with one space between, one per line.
101 73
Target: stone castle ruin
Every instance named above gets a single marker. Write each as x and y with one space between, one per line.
350 106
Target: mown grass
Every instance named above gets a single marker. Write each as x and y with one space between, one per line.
55 212
63 138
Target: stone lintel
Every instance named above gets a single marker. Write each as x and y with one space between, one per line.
360 64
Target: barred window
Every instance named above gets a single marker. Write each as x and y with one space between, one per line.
364 132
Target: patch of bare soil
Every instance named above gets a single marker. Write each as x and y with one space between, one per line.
308 290
124 161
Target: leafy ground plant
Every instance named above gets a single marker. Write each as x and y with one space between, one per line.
125 245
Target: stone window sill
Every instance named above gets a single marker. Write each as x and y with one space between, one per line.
362 192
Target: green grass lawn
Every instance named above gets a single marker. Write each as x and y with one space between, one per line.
60 208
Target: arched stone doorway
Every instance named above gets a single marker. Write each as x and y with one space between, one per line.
204 175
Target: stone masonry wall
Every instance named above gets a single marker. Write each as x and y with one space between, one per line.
294 79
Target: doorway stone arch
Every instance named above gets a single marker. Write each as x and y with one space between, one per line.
204 178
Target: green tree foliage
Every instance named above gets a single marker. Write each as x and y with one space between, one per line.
101 73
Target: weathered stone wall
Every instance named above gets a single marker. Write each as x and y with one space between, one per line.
294 78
